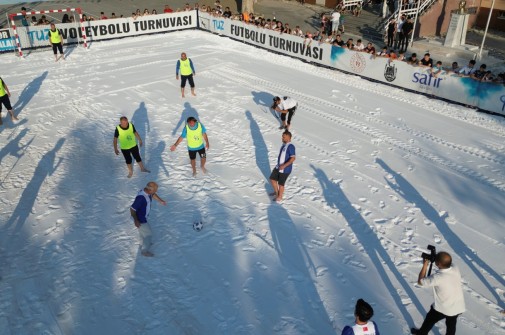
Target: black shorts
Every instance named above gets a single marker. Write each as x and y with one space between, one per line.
201 152
279 177
128 153
188 78
57 47
6 102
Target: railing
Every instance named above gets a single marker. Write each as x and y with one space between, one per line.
409 10
350 4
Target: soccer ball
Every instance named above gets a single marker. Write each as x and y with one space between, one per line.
198 225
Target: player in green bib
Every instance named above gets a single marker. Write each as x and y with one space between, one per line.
56 41
185 66
4 100
128 137
196 134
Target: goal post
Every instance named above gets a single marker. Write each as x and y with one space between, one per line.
13 16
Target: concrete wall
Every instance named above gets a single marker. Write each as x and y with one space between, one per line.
495 23
435 21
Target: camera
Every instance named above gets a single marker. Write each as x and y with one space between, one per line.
431 256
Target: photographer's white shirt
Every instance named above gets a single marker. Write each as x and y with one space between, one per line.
448 291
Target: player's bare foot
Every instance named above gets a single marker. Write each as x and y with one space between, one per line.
204 170
130 174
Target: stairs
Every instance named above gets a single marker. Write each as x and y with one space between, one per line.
369 25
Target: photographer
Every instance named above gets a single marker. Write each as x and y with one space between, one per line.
446 283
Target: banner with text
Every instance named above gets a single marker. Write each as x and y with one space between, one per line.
485 95
37 36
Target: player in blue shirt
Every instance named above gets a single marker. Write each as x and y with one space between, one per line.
139 211
284 166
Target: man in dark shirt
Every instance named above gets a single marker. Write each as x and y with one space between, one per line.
412 60
370 49
426 61
407 30
338 41
227 12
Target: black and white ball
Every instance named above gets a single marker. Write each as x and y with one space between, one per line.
198 225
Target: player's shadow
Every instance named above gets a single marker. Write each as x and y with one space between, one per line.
28 93
14 148
265 100
298 264
70 49
186 112
46 167
472 259
156 161
371 244
260 148
140 120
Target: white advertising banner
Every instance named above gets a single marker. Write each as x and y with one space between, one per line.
37 36
487 96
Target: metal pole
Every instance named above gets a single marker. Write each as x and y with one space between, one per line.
415 23
485 31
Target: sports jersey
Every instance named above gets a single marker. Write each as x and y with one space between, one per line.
370 328
185 134
142 205
287 151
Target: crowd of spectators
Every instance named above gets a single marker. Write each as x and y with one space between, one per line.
331 28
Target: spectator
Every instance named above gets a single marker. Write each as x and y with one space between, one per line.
370 49
218 5
335 21
146 12
65 18
287 29
187 7
488 77
84 18
412 60
448 291
437 69
138 13
349 44
168 9
284 166
359 46
399 31
469 69
392 54
103 16
154 12
34 21
297 31
390 31
363 312
227 13
407 29
338 41
454 67
401 56
342 21
113 16
384 52
134 16
278 27
479 74
357 10
196 6
426 61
